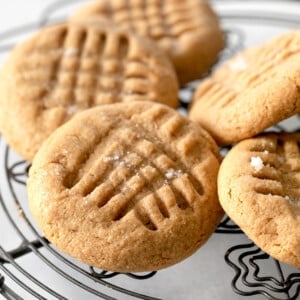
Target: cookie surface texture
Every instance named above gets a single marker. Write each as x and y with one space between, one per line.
188 31
127 187
67 68
258 186
251 92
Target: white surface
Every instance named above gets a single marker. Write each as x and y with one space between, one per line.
203 276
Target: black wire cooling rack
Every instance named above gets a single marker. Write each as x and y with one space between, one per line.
246 260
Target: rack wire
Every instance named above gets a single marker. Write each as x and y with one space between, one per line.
244 259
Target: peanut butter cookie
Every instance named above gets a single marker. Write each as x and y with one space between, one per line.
188 31
259 188
127 187
67 68
251 92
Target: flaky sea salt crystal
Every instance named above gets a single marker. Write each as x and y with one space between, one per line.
266 152
108 159
71 52
239 64
64 151
171 173
114 158
292 200
256 163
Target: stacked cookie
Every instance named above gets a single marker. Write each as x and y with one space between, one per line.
119 179
259 180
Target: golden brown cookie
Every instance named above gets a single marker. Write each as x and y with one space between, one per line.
67 68
259 188
188 31
251 92
127 187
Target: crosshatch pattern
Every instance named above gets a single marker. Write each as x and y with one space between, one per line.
188 31
162 20
124 168
247 280
279 175
136 169
88 66
71 67
248 71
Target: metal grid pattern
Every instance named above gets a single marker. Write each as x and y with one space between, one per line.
244 259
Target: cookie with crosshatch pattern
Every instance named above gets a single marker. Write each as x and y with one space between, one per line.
252 91
259 188
127 187
188 31
67 68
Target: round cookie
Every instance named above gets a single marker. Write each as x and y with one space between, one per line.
188 31
67 68
251 92
258 186
127 187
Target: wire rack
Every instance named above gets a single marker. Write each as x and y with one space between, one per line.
246 260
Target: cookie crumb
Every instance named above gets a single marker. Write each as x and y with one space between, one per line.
71 52
20 211
257 163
